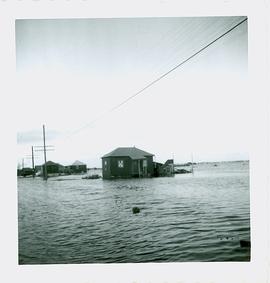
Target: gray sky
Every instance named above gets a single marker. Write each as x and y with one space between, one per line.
71 72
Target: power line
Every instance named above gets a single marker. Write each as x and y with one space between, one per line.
158 79
214 28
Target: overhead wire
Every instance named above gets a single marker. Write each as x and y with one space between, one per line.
157 79
214 28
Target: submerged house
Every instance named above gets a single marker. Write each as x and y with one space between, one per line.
77 167
53 168
127 162
26 171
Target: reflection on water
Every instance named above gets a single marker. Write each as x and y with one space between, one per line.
185 218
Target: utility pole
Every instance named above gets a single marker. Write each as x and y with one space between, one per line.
33 163
192 164
45 161
173 163
44 148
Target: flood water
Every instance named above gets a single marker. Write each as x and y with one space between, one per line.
183 218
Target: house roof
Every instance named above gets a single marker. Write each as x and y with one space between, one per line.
132 152
77 163
52 163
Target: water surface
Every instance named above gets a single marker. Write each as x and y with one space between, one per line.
182 218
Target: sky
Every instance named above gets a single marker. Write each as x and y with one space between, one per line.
72 72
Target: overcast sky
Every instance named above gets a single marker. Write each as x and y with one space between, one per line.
72 72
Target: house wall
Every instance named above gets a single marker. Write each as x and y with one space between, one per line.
61 168
52 169
25 172
139 163
150 165
114 171
78 168
130 169
106 170
135 169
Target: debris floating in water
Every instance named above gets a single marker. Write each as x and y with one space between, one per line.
181 171
245 244
65 179
135 210
92 177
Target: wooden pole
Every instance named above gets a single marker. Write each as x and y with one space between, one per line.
172 164
192 164
33 163
45 161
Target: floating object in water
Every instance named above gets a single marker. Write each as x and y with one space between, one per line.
225 238
92 177
181 171
65 179
245 244
135 210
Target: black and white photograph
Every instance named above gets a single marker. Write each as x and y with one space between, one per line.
135 141
133 146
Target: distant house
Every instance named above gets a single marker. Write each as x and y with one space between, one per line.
53 168
127 162
25 172
77 167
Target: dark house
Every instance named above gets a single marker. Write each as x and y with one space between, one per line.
25 172
53 168
127 162
77 167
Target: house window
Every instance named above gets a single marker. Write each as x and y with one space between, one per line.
120 163
144 163
105 165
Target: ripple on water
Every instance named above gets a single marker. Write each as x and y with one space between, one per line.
199 218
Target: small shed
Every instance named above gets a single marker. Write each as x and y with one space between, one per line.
127 162
164 170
